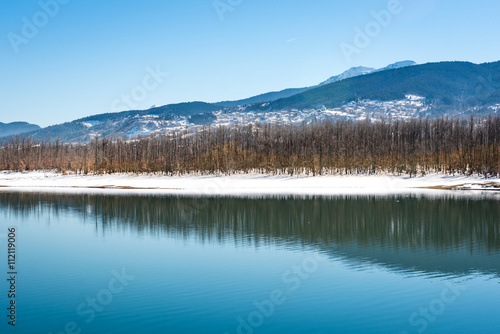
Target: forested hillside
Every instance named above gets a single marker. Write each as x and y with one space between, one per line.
450 85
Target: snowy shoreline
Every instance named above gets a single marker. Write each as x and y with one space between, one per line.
246 184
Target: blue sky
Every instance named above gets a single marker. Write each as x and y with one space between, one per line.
86 57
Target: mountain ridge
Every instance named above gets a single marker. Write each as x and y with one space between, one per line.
16 128
272 96
453 89
431 80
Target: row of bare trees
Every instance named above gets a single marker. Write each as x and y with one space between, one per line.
410 147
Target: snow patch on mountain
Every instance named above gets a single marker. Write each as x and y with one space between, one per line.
399 64
350 73
90 124
372 110
361 70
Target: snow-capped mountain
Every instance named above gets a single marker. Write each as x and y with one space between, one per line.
399 64
361 70
350 73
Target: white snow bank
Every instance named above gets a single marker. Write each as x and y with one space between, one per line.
238 185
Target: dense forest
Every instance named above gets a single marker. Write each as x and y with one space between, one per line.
410 147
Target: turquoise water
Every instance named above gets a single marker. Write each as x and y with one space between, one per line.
152 264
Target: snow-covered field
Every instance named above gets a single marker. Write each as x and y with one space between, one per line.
244 184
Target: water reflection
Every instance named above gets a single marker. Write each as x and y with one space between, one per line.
414 234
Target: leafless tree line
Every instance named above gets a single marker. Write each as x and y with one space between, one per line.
404 147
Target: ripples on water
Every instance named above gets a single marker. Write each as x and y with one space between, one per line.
200 263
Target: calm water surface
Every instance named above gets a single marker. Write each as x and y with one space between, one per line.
156 264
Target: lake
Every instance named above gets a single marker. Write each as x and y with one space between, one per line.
124 263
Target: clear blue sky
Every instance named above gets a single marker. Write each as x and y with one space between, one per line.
84 58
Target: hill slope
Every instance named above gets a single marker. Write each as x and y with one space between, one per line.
350 73
450 85
15 128
128 124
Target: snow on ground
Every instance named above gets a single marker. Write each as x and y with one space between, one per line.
246 184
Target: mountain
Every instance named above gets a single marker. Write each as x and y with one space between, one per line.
130 124
350 73
16 128
273 96
449 86
402 91
361 70
399 64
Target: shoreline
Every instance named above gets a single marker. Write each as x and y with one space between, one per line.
246 184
